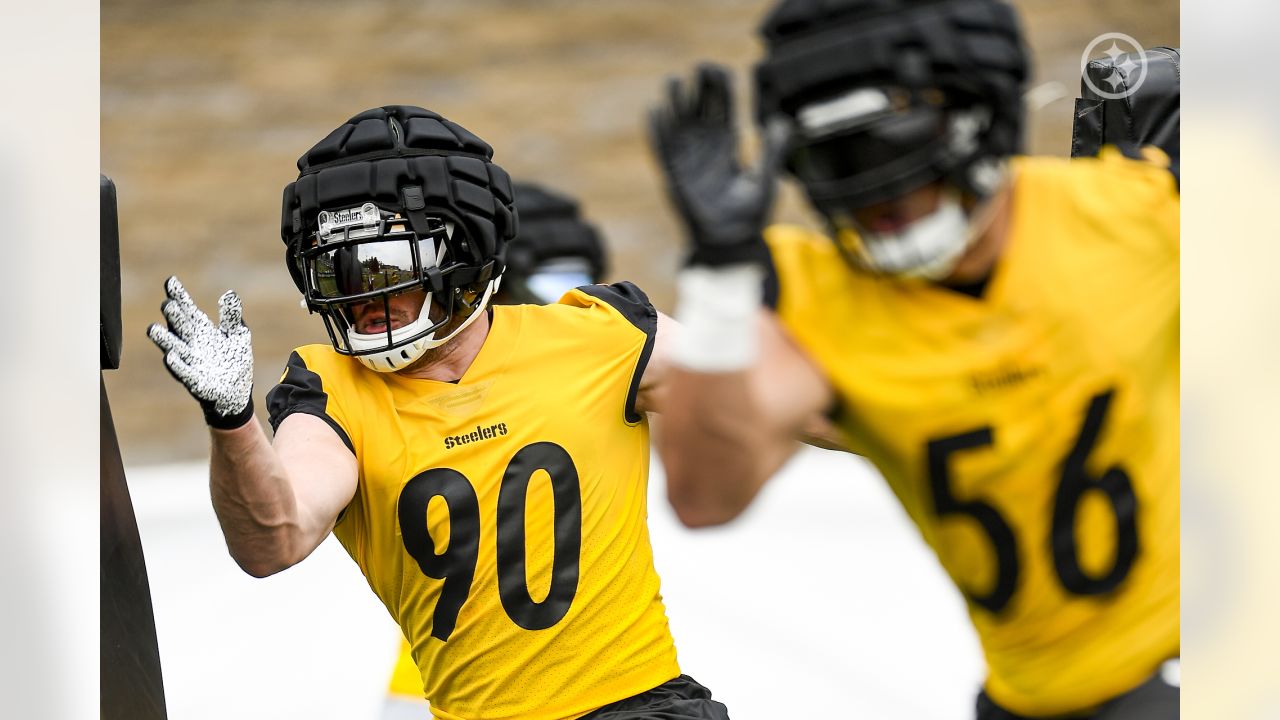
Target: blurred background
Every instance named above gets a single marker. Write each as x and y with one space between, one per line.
206 107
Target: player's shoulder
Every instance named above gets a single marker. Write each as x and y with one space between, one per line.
323 367
322 359
314 381
806 266
1120 180
797 239
594 303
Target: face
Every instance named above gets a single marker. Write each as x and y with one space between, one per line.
371 318
892 216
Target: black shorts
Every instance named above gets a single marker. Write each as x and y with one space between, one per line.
1154 699
681 698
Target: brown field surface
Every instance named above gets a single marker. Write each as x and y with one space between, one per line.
206 106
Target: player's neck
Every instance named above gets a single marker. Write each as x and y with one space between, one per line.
450 361
980 259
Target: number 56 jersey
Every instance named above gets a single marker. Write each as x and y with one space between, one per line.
1030 433
502 519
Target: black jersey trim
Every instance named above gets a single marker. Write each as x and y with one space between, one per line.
634 305
772 284
302 391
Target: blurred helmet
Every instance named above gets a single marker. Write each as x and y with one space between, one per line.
395 200
887 96
555 251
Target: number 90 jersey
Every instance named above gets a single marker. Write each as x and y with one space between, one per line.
1030 433
502 519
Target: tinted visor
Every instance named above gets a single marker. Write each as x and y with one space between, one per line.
848 155
350 269
365 267
877 161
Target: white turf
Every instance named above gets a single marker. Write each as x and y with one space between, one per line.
822 601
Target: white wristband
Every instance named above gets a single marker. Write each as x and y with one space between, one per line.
717 309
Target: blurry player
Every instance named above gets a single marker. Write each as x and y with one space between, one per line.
554 252
998 334
484 466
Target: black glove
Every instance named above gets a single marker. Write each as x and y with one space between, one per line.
214 362
724 206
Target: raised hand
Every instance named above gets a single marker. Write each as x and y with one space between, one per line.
724 205
214 362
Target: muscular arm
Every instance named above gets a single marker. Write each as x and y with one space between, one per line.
277 502
724 434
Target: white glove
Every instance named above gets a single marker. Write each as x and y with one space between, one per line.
214 362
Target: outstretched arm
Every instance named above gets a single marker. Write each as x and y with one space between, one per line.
725 433
275 503
740 391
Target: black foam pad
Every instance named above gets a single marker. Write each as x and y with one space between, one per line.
1148 114
109 299
132 687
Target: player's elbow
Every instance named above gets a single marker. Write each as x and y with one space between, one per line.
706 489
264 561
699 501
259 568
700 516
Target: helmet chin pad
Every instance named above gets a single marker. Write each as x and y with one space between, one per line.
928 248
397 357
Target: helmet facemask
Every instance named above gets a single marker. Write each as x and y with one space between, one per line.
365 256
876 145
890 97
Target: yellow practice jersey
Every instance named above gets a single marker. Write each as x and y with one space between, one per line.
1031 432
502 519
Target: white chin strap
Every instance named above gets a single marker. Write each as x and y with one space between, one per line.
398 358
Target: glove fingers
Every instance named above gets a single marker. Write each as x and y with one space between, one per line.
180 370
180 321
714 96
678 98
177 292
177 300
230 313
181 311
660 130
777 142
166 340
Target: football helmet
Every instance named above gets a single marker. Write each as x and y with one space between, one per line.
397 200
555 251
888 96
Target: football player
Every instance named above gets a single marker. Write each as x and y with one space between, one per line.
485 467
997 333
555 251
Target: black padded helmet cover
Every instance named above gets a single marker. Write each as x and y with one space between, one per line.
551 226
972 50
